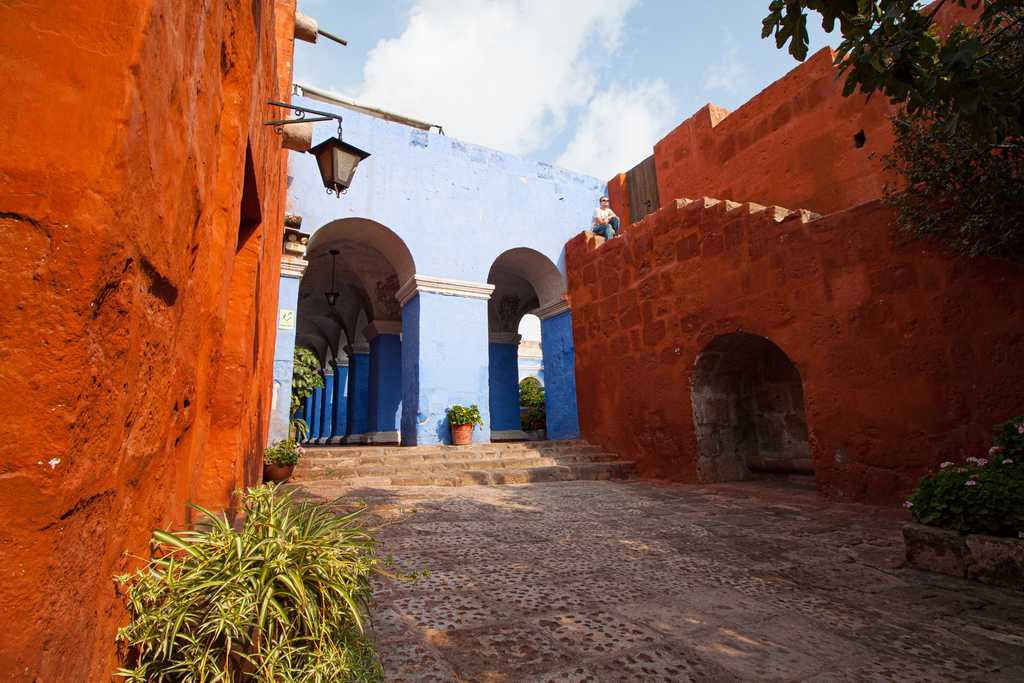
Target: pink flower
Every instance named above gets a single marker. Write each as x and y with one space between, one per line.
907 504
995 449
981 462
972 460
945 465
1007 462
970 482
1020 428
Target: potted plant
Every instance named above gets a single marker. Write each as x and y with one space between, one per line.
279 460
462 419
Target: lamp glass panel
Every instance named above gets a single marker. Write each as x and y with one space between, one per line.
344 166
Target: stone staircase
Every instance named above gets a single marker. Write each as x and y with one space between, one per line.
479 464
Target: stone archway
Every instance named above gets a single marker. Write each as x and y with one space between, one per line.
748 411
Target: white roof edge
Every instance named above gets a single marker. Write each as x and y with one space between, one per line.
334 98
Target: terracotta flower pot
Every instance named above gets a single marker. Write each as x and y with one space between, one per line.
277 473
462 435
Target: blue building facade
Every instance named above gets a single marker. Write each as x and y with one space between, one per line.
435 254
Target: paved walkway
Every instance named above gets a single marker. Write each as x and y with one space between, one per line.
637 581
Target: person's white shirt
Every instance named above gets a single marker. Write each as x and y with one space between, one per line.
602 216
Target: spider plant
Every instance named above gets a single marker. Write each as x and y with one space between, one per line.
285 599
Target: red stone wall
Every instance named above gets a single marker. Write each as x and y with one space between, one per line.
137 335
908 355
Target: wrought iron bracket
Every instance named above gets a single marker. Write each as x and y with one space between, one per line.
300 116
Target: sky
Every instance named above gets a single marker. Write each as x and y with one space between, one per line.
589 85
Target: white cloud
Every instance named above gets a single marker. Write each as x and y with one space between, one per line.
502 73
619 129
728 73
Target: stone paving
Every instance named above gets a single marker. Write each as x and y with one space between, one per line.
639 581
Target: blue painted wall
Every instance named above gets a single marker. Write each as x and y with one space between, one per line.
358 392
327 408
340 400
318 402
504 381
284 349
385 390
309 411
446 339
456 205
560 377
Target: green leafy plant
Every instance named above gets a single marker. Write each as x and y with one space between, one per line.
533 418
285 599
285 452
981 495
298 429
306 376
531 392
461 415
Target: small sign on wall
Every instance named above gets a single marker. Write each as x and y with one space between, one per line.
286 319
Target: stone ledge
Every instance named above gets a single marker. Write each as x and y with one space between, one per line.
986 559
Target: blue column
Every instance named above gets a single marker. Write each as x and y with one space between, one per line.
309 410
504 382
358 389
340 400
327 406
559 376
292 267
318 409
385 382
444 362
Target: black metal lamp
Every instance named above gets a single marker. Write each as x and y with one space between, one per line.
333 294
336 159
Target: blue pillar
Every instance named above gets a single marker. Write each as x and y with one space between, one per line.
559 376
504 383
318 403
358 390
385 381
292 267
444 362
308 411
327 406
340 400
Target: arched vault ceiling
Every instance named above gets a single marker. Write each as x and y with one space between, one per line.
368 234
513 297
535 268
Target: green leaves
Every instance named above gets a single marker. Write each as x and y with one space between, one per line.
461 415
305 375
285 452
283 600
981 495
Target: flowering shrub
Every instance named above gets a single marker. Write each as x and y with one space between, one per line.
283 453
981 496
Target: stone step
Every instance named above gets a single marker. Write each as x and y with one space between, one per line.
341 469
423 452
431 457
476 477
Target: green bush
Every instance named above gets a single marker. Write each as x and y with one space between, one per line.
306 376
283 453
461 415
980 496
531 392
285 599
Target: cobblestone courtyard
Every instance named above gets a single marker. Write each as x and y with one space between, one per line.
634 581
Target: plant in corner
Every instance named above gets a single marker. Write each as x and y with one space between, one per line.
284 599
461 420
279 460
306 378
980 496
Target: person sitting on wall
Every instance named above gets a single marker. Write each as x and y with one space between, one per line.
606 223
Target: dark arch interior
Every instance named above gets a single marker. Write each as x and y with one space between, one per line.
748 411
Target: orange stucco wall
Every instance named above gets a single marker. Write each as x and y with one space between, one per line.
907 354
137 334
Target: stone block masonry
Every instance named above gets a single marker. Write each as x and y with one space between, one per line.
907 354
141 219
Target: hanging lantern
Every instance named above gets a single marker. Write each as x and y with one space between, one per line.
332 295
337 161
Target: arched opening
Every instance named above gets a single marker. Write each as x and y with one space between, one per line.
527 283
349 313
748 411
